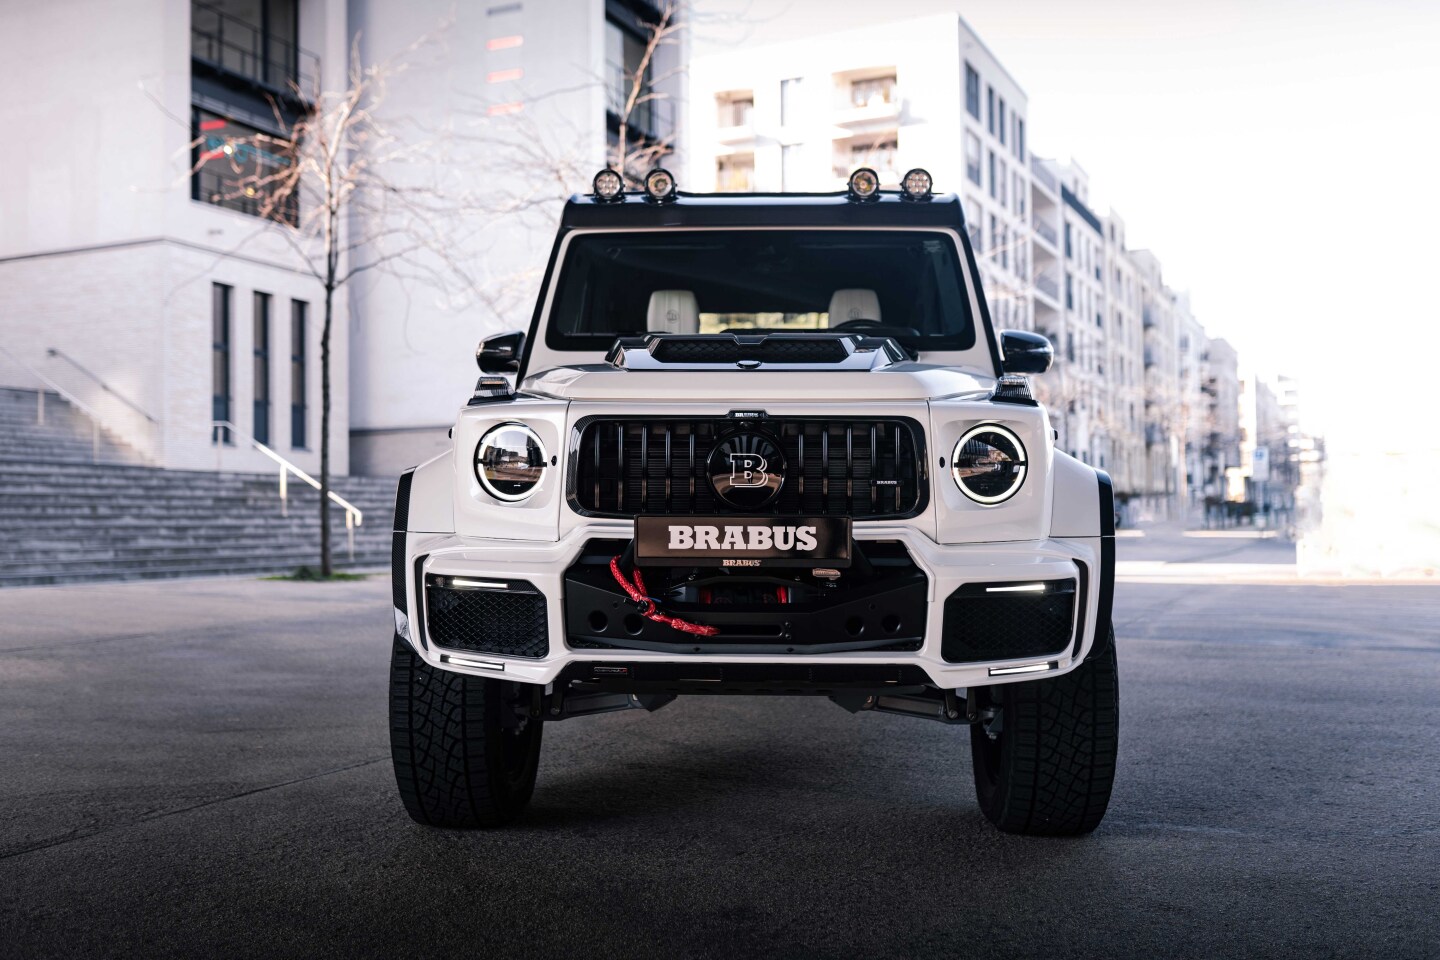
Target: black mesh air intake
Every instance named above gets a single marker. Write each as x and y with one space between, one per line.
509 619
995 621
767 350
869 469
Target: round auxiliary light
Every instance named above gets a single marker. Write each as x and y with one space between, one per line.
609 186
988 464
510 462
917 184
865 184
660 185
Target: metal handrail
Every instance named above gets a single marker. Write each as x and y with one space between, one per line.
354 516
69 397
59 354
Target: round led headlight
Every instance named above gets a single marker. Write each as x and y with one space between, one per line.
660 185
988 464
510 462
917 184
608 186
865 184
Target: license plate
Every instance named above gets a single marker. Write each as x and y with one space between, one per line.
743 541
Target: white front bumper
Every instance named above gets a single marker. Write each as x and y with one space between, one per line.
543 564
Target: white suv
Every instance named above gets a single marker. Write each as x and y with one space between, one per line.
757 444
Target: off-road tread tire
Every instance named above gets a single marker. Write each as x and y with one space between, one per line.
1057 752
444 740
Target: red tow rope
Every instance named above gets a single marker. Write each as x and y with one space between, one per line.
649 609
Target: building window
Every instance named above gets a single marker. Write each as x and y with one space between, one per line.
735 173
735 109
1019 194
1000 122
1069 293
1069 249
624 53
240 168
220 363
994 235
790 91
253 39
990 109
972 91
1020 138
1003 178
1005 247
298 372
791 176
972 158
261 366
873 91
993 186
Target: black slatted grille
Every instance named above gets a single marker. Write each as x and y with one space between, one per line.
1005 626
867 469
768 350
511 622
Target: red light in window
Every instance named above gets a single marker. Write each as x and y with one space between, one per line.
500 109
505 43
500 76
212 124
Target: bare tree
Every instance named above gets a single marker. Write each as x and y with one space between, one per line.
344 192
640 90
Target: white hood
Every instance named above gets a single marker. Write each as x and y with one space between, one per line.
905 381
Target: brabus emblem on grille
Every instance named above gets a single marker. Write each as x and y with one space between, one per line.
747 470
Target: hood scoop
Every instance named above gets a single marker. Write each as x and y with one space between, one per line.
771 351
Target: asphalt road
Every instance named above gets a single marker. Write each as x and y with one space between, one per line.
201 768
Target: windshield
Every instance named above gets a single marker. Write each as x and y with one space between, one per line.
901 283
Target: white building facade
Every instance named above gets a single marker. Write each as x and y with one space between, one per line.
134 281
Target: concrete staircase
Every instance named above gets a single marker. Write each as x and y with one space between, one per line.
65 519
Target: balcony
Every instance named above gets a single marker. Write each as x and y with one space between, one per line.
235 49
1046 232
1044 177
1147 318
1049 286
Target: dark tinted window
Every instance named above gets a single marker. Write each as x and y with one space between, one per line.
906 284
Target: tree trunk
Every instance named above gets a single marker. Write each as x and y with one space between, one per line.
326 562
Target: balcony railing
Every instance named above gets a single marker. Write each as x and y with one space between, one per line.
1048 285
234 46
1043 175
1047 232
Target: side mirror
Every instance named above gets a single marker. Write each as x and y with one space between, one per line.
1024 352
500 353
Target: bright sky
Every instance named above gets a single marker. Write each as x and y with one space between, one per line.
1279 155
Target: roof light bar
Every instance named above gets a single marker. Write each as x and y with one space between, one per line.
660 185
609 186
864 184
917 184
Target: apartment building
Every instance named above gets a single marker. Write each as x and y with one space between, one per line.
801 115
1125 391
135 275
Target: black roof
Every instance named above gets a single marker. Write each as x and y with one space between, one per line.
890 209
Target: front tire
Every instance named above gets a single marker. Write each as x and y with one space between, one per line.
465 753
1050 768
